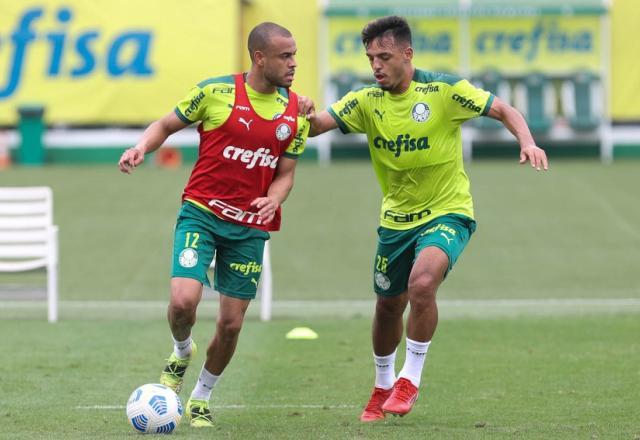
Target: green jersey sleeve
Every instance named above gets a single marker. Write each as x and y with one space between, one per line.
465 101
210 102
296 147
348 113
192 107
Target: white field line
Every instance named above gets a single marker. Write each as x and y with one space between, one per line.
338 308
350 304
331 304
273 406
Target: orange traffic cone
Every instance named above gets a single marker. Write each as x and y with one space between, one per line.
168 157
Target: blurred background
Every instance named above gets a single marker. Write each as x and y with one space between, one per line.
568 67
80 80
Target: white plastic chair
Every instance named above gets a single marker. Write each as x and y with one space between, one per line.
28 237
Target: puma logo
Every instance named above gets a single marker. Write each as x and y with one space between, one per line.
449 240
253 280
244 121
377 112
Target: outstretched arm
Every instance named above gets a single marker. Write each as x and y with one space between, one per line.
515 123
278 190
152 138
319 122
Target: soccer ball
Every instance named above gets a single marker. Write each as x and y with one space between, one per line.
154 408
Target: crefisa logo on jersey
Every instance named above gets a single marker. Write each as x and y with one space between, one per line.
283 132
420 112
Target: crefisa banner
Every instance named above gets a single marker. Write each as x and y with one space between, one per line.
554 44
110 62
436 44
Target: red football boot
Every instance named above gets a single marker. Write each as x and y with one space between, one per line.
402 398
373 410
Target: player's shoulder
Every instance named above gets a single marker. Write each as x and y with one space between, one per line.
368 91
365 97
224 83
427 77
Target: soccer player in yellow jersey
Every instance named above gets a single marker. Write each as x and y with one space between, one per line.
412 120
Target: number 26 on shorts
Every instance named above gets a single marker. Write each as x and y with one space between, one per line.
381 263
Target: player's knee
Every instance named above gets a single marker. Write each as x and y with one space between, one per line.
229 328
423 287
182 304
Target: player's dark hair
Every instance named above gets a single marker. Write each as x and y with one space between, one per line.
387 26
261 35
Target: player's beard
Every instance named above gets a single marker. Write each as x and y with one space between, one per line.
393 82
277 80
387 87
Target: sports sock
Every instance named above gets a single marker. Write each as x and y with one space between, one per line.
182 349
385 370
206 382
413 363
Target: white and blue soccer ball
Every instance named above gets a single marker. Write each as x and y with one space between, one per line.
154 409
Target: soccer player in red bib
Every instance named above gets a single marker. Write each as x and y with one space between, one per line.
250 137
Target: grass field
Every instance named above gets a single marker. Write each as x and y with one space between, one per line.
539 336
535 378
570 233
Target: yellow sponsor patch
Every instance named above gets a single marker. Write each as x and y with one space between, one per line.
246 268
440 227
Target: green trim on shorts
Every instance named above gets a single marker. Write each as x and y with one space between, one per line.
237 295
398 249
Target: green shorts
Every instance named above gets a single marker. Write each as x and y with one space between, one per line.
398 250
238 249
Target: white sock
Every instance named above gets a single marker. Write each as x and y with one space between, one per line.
182 349
206 382
413 363
385 370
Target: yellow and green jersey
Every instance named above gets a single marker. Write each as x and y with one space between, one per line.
211 102
415 143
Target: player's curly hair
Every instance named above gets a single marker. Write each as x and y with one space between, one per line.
392 25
